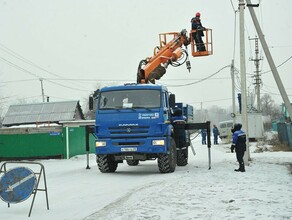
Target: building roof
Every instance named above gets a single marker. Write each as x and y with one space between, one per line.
45 112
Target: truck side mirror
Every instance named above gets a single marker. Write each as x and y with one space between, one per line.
172 100
90 101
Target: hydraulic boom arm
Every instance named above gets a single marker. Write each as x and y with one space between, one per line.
169 52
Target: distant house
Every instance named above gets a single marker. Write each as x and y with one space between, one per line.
45 112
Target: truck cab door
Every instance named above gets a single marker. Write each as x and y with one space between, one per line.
166 107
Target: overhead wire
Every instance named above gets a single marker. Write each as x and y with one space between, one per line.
37 76
18 67
214 100
19 80
18 56
234 31
201 80
278 65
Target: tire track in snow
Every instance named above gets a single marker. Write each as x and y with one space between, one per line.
112 210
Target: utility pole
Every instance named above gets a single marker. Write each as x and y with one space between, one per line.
202 115
243 79
257 73
269 58
42 88
233 90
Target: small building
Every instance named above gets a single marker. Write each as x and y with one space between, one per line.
45 112
36 130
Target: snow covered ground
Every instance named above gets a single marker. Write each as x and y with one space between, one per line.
141 192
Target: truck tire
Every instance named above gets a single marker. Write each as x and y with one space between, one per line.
106 164
132 162
167 162
182 157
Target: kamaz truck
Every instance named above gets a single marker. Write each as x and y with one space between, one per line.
136 122
141 121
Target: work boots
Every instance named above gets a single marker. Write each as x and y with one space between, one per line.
241 168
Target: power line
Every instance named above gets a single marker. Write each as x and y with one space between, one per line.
232 6
279 65
201 80
35 75
68 87
20 80
215 100
11 52
18 67
181 79
234 29
89 80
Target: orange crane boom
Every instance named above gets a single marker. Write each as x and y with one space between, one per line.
153 68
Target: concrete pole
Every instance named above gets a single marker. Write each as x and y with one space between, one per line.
270 59
202 115
257 73
243 78
257 77
42 88
233 90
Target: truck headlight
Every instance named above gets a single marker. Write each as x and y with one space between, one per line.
158 142
100 143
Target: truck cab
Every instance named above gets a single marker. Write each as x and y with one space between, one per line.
133 123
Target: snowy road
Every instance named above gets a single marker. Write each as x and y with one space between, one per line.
141 192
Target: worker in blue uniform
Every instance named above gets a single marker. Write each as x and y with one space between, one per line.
239 145
197 36
215 134
204 135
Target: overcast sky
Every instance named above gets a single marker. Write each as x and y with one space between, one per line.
76 45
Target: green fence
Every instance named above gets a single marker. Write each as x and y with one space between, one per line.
285 133
48 142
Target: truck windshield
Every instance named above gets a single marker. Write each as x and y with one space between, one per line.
123 99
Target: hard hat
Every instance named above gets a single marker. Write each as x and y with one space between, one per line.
236 127
198 14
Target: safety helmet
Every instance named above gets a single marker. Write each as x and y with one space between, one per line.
198 14
236 127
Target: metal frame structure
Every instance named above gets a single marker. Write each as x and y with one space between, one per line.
3 169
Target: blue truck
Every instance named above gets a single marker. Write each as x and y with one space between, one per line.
139 122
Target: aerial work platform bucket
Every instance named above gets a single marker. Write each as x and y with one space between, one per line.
201 45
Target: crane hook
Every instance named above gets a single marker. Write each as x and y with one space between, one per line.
188 63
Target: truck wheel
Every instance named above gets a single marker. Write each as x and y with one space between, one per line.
182 157
132 162
106 164
167 162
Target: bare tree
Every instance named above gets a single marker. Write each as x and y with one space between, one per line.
269 107
270 110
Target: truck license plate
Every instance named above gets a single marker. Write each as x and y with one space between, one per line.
126 149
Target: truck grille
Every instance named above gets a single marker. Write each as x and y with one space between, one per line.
129 130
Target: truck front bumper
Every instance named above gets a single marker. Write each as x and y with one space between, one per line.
125 146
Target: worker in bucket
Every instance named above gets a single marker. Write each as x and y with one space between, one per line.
239 145
198 34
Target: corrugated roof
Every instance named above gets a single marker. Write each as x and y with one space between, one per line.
45 112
